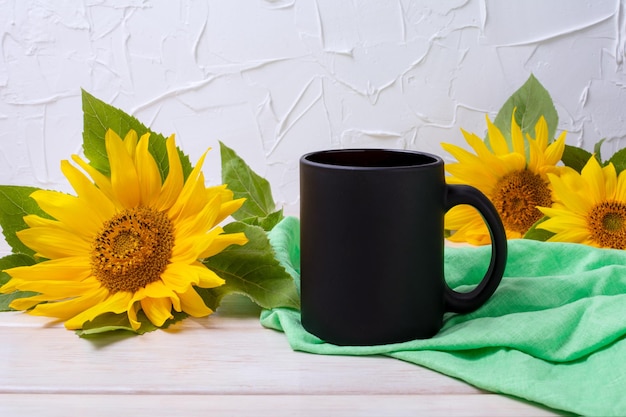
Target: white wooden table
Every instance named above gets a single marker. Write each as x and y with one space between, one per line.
222 365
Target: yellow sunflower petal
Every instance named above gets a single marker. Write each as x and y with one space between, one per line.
158 310
173 184
115 303
34 221
223 241
102 181
188 248
197 224
58 290
554 151
610 181
69 308
63 269
66 209
561 220
133 309
573 181
496 139
620 187
51 244
468 226
100 206
459 216
474 233
534 157
482 151
569 198
27 303
512 162
124 178
180 277
221 190
572 236
475 175
130 142
541 133
148 171
228 208
193 304
158 289
206 277
191 199
517 137
461 155
177 277
592 173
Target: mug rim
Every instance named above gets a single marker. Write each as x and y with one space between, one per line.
435 160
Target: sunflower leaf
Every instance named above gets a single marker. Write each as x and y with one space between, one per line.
619 160
111 322
98 117
575 157
103 323
259 208
251 270
597 150
530 102
15 203
535 233
13 261
266 223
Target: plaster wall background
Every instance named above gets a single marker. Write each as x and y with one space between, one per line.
274 79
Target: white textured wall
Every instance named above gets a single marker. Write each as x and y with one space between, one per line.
277 78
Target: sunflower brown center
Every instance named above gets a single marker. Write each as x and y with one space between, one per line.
607 224
132 249
516 198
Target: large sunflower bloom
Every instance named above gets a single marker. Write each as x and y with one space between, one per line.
590 207
124 243
514 182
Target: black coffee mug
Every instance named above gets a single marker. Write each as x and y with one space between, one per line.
372 246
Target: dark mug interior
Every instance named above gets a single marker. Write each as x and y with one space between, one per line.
371 158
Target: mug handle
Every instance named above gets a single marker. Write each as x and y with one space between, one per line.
458 302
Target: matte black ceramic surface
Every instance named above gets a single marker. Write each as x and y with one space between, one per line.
372 246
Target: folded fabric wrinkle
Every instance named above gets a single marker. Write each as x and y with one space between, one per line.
553 333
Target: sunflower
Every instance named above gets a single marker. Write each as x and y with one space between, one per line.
590 206
124 243
515 180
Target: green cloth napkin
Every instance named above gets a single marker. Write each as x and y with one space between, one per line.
553 333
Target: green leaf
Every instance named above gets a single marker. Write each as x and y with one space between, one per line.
619 160
535 233
251 270
286 244
98 117
110 322
13 261
575 157
597 150
259 208
15 203
107 322
530 101
266 223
